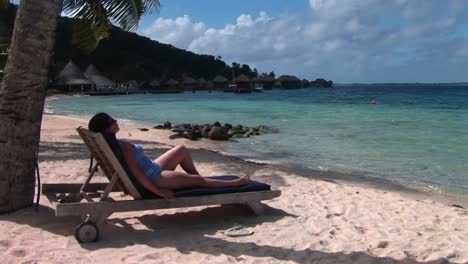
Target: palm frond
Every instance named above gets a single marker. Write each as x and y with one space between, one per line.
86 36
4 3
96 17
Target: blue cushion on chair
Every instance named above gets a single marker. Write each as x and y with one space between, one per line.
252 186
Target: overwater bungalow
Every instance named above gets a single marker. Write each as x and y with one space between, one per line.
100 81
266 81
289 81
154 84
189 83
132 85
243 84
201 83
170 86
220 82
71 79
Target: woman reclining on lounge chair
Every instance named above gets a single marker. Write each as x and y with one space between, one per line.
159 175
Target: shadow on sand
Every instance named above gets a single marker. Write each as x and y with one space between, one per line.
198 230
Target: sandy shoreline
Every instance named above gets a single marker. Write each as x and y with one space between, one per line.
315 220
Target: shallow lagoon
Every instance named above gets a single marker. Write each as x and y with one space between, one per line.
415 136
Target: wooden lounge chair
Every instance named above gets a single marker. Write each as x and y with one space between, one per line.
92 203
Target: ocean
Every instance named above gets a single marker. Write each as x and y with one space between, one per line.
414 136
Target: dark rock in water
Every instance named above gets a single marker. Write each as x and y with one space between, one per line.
227 126
143 129
167 125
159 127
218 133
197 133
235 131
205 130
178 130
239 136
188 134
215 131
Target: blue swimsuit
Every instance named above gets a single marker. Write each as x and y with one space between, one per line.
150 168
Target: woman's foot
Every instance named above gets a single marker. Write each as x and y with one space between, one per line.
242 180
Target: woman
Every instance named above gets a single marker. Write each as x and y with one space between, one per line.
159 175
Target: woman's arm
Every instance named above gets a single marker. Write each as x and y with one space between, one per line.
127 150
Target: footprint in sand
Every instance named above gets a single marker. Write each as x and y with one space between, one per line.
5 243
18 252
360 229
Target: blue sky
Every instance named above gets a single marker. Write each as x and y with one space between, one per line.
342 40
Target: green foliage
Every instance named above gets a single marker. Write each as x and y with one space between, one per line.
95 18
4 3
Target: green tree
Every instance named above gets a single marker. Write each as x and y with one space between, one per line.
23 88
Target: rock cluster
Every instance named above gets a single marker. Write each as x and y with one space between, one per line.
215 131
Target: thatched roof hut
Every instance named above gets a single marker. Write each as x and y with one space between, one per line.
71 75
189 83
220 79
267 81
189 80
289 81
132 84
220 82
267 78
172 82
242 78
155 83
97 78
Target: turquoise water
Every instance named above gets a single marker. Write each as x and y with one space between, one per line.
415 136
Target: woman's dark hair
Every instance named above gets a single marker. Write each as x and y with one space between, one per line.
99 122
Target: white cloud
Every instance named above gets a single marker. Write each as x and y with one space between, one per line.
244 21
336 39
179 32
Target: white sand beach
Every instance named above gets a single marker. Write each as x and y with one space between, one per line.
313 221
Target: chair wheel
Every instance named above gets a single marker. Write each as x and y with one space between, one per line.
86 232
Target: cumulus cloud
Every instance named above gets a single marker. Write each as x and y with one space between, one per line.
179 32
343 40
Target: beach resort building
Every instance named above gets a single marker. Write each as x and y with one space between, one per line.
154 84
220 82
289 81
202 84
171 84
243 84
266 81
189 84
100 81
71 79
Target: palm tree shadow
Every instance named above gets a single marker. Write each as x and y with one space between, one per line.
43 218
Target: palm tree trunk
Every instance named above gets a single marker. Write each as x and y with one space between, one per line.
22 95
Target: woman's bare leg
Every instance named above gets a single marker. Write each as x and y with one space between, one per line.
176 180
175 156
